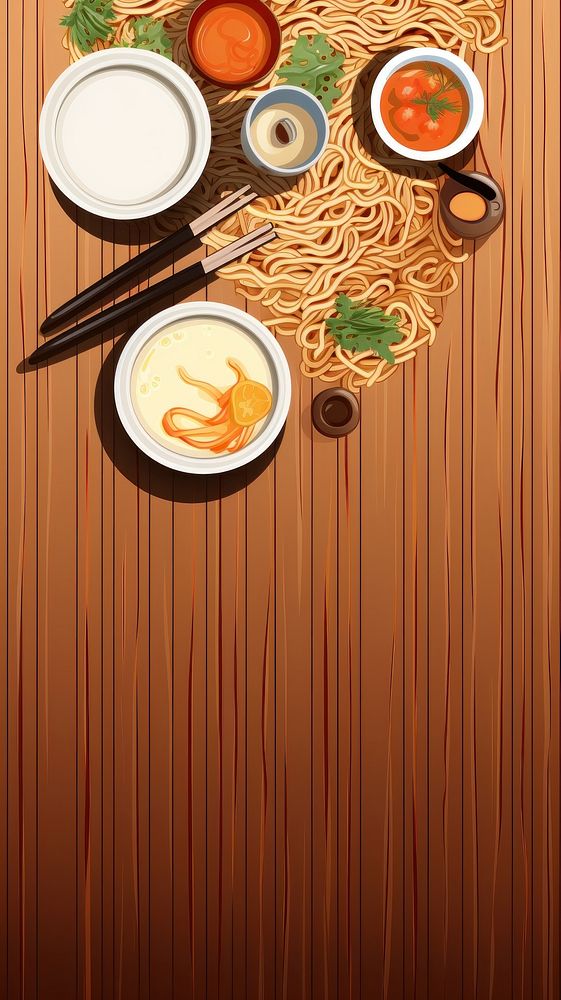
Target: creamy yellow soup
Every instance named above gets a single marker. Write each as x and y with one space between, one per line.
284 135
200 346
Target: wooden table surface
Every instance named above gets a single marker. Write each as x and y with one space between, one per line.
297 733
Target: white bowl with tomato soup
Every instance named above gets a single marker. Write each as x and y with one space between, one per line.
427 104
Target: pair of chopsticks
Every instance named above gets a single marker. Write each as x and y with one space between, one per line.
177 282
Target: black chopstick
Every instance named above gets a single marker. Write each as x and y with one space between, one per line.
177 282
129 270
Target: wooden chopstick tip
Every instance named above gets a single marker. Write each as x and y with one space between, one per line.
227 206
239 248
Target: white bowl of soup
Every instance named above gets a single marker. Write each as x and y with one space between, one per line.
202 388
427 104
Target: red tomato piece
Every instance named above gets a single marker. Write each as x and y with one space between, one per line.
430 127
431 84
407 86
407 117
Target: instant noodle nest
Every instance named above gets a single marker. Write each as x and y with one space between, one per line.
351 224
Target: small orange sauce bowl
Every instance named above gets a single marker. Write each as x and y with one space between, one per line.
233 44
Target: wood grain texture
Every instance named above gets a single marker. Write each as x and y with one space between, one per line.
296 732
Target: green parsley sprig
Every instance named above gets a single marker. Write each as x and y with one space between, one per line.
89 21
150 35
315 66
364 328
438 104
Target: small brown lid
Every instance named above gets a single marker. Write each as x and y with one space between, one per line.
335 412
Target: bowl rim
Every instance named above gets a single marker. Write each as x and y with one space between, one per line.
154 64
186 463
250 150
276 41
467 77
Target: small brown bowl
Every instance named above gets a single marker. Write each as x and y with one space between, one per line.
272 31
335 412
472 230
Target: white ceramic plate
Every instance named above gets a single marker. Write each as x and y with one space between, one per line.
124 133
280 388
464 74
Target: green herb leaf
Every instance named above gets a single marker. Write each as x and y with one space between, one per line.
450 82
315 65
446 82
150 34
437 106
364 328
89 21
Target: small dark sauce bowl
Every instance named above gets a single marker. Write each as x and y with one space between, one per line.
335 412
472 230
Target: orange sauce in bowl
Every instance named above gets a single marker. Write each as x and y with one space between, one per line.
231 43
424 106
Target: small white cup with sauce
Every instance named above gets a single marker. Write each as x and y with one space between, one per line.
285 131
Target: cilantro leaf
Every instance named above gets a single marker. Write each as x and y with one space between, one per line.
89 21
150 34
437 106
364 328
314 65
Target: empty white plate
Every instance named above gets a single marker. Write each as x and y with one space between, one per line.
125 133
